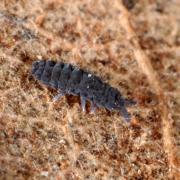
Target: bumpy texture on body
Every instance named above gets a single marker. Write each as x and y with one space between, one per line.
70 79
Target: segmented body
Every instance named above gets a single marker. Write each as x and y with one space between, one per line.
70 79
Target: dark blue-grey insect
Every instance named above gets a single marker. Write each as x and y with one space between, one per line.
69 79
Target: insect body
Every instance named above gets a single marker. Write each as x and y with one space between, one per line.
69 79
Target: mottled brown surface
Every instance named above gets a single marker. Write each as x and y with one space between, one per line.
40 139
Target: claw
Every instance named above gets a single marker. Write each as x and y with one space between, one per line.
83 103
58 96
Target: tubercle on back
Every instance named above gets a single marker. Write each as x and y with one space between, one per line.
88 86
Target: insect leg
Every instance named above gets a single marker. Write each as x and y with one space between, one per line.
125 114
83 103
93 108
58 96
129 102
